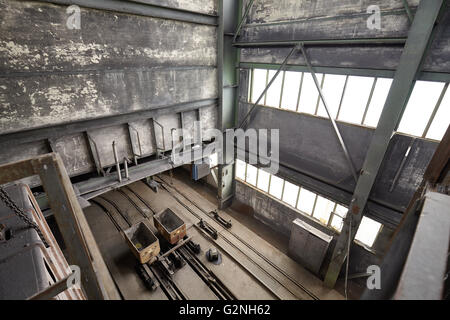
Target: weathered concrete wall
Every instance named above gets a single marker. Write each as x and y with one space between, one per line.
271 20
116 64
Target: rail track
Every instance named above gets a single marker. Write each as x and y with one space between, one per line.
156 270
168 186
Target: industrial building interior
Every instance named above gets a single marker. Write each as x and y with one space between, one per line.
224 150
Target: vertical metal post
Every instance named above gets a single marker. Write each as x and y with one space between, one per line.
116 159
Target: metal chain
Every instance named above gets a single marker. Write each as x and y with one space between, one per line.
22 215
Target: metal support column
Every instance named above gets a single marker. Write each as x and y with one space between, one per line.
419 39
228 80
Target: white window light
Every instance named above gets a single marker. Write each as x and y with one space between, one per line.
290 193
420 107
263 180
332 89
377 102
368 231
291 89
259 84
355 99
441 120
251 174
306 201
213 160
323 209
276 186
337 221
240 169
273 95
309 94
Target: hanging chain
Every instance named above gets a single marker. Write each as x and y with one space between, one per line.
22 215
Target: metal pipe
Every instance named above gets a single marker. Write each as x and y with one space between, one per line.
408 11
142 8
324 42
116 159
268 86
241 23
333 122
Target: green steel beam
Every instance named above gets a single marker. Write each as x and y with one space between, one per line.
241 22
228 84
378 73
419 39
322 42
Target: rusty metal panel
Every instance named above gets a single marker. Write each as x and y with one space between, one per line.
104 138
75 153
141 133
168 122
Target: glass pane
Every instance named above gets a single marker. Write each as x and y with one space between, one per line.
290 193
323 209
240 169
441 120
263 180
251 174
309 94
274 93
355 99
290 90
306 201
368 231
276 187
332 89
377 103
337 223
341 211
259 84
213 160
420 106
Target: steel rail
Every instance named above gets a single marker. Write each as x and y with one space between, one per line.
312 295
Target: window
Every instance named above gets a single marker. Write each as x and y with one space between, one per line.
273 95
306 201
323 209
251 174
290 193
291 89
420 107
240 169
263 180
337 219
309 95
259 84
319 208
377 102
276 186
368 231
441 120
355 99
333 87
